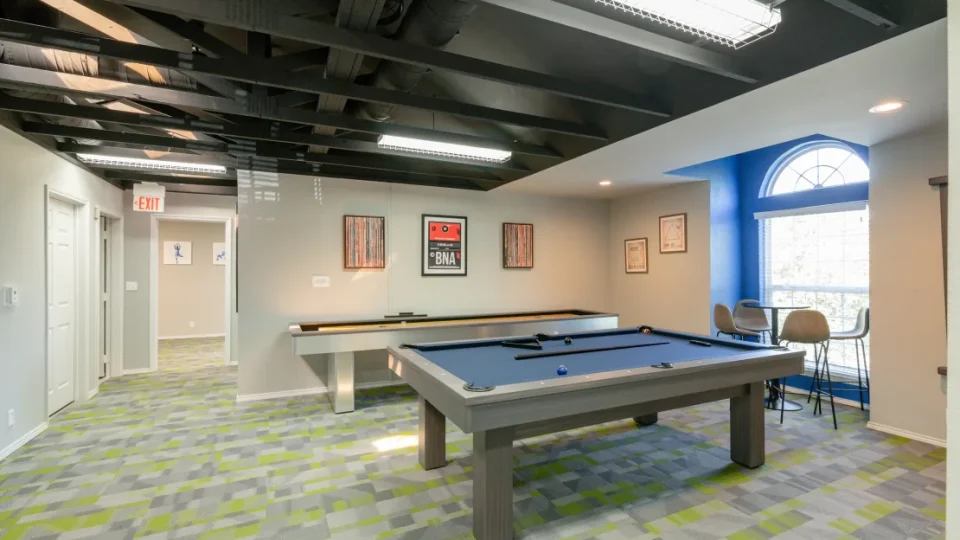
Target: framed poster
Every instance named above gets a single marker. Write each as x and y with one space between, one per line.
635 255
219 253
177 253
673 233
517 245
444 246
364 242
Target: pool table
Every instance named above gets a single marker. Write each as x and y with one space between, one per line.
502 393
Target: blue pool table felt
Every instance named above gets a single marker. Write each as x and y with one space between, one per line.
491 364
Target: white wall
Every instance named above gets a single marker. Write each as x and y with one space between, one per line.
136 328
190 296
675 294
27 169
908 332
292 229
953 256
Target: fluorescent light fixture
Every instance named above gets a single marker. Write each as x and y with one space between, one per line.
734 23
605 183
151 164
887 106
435 148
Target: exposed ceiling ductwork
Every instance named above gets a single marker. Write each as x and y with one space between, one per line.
431 23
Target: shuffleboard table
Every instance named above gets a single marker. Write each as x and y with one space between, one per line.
340 339
506 392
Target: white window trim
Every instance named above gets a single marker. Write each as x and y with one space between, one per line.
811 210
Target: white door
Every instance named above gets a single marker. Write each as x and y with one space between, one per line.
62 306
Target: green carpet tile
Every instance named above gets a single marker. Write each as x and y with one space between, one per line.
190 354
171 455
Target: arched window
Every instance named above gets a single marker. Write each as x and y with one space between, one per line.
816 166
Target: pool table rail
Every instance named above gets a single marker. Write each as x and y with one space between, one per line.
581 394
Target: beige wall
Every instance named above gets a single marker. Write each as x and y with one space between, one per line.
295 229
953 335
908 335
191 295
136 315
27 171
676 292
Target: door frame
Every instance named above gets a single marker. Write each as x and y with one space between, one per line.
81 258
154 322
115 287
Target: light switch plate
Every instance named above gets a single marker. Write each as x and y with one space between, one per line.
133 286
11 296
321 281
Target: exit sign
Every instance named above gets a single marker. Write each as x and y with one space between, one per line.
148 198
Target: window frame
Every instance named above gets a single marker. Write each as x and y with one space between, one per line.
788 157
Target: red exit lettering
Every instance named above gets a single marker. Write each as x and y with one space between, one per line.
148 203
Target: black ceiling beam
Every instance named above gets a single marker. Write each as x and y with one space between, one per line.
250 152
650 43
257 15
141 176
872 11
269 132
308 169
294 98
18 77
299 60
315 169
194 32
260 72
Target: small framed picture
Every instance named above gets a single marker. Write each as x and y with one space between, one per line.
219 253
635 255
443 246
673 233
517 245
177 252
364 242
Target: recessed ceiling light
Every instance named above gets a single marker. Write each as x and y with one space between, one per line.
606 183
887 106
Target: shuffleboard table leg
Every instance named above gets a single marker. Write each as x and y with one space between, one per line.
646 420
493 484
433 436
747 425
340 387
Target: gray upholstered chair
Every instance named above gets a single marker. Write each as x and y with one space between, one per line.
810 327
751 318
857 335
723 319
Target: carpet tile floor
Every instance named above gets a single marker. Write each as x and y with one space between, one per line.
171 455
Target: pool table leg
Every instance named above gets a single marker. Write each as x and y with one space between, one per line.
493 484
340 382
433 436
646 420
747 424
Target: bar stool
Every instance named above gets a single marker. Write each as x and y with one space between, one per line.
751 318
810 327
858 333
723 319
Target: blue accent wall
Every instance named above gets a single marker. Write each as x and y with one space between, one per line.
753 169
725 228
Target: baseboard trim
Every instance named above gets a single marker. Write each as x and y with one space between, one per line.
195 336
93 393
138 371
838 400
907 434
315 391
27 437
